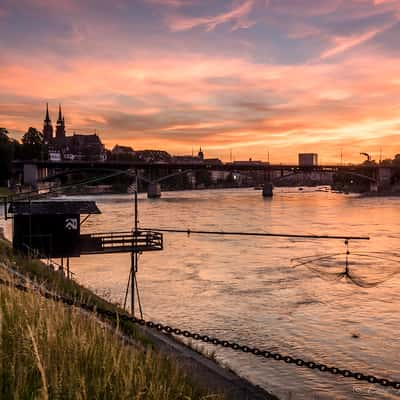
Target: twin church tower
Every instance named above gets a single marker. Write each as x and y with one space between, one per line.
75 147
60 137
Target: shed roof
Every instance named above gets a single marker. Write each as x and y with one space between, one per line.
52 207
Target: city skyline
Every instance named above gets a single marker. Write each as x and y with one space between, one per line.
247 75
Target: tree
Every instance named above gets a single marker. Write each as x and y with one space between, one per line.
387 162
32 145
3 134
396 160
6 156
32 138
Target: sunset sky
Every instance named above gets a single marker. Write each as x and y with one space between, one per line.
247 75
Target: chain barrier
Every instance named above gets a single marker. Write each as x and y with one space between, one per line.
212 340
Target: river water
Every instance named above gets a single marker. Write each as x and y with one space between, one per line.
249 290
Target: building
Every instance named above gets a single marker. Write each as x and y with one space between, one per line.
187 159
61 138
149 156
122 153
200 154
219 176
192 159
122 150
55 155
86 147
308 159
47 127
75 147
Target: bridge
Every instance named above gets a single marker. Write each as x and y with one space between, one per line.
153 173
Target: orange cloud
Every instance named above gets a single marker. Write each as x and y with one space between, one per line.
220 103
150 91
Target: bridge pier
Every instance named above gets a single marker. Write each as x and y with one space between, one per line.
384 178
154 190
373 187
31 175
268 189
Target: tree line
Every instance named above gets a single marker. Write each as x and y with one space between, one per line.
31 147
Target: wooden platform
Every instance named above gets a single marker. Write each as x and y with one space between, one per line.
121 242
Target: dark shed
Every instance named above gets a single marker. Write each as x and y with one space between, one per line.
51 228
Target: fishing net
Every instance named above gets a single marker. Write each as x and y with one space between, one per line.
364 269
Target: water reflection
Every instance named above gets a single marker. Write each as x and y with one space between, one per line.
246 289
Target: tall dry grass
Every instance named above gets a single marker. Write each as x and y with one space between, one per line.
53 281
50 351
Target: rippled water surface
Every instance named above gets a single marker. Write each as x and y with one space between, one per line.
248 290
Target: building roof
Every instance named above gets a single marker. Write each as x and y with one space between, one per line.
152 155
84 140
187 158
123 149
52 207
215 161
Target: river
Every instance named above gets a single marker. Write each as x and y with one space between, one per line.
248 289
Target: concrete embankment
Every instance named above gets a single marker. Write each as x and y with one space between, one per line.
205 373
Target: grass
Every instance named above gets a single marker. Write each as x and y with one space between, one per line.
45 276
51 351
5 191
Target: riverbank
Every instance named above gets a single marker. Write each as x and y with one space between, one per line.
5 191
381 194
49 348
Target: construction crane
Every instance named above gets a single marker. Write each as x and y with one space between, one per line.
366 155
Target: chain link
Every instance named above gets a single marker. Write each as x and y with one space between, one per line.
212 340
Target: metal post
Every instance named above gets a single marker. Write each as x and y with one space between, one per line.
68 276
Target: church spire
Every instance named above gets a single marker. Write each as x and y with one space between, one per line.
47 127
60 129
59 114
200 154
47 119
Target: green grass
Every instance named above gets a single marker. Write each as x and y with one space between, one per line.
49 351
52 351
45 276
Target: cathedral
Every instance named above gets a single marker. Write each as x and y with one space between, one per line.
75 147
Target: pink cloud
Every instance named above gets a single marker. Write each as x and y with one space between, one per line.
171 3
304 7
344 43
238 15
379 2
